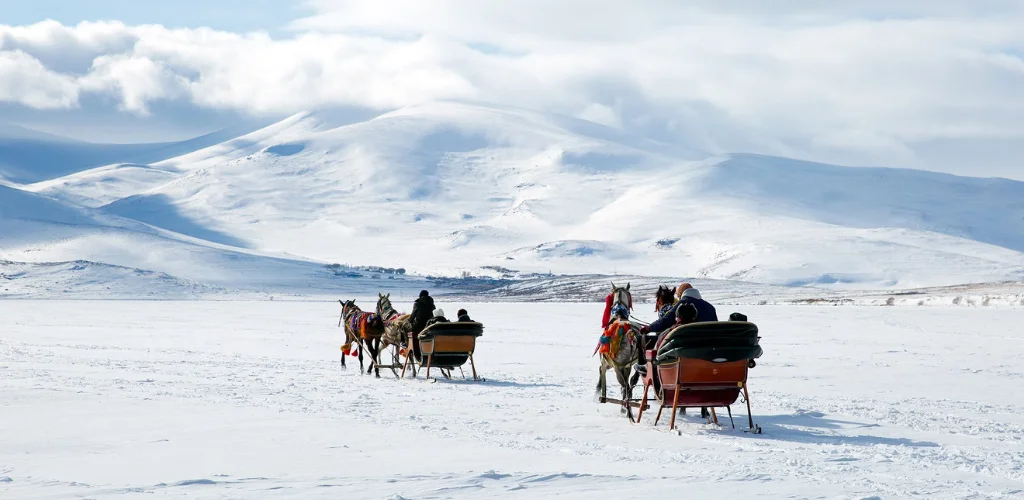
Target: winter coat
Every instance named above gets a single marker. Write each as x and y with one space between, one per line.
422 311
464 318
705 311
437 319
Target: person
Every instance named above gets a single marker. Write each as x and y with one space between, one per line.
438 317
682 288
684 315
689 295
705 311
463 316
422 311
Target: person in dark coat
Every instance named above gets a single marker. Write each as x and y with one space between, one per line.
686 314
422 311
438 317
705 311
463 316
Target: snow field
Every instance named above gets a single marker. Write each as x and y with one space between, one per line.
156 399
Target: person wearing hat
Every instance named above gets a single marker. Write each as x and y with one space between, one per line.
688 295
438 317
422 311
463 316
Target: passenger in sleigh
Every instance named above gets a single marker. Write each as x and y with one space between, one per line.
684 315
668 311
438 318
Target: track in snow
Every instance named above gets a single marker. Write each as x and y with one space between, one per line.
228 399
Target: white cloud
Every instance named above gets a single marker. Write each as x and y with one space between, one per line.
859 82
599 113
24 80
137 80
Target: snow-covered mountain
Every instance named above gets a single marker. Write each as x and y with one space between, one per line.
446 188
28 156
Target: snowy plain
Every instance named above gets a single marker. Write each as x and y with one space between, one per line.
245 399
210 389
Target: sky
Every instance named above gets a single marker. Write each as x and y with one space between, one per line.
930 84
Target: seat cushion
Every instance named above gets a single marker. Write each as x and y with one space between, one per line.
716 341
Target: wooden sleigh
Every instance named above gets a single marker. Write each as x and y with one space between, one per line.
445 346
703 365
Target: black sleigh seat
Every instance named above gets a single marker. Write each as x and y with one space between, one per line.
714 341
449 344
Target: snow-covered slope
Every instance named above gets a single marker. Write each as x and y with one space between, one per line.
50 248
452 187
28 156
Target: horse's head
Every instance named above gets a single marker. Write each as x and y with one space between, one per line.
622 301
348 307
663 297
384 307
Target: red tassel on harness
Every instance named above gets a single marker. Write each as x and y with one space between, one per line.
607 311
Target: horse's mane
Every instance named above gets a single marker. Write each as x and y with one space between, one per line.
349 308
384 306
663 297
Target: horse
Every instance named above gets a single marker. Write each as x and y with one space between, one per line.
620 346
363 328
396 325
662 298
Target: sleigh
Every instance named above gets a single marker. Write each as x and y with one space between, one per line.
445 347
703 365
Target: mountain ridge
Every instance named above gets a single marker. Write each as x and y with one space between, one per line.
450 188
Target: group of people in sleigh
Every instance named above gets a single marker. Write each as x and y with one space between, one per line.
425 313
679 306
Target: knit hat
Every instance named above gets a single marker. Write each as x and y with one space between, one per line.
691 293
423 293
438 313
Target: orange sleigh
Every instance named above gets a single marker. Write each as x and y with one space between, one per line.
703 365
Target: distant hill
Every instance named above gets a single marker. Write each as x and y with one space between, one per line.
446 188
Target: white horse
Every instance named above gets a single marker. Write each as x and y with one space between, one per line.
624 348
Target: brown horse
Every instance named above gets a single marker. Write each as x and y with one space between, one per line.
364 329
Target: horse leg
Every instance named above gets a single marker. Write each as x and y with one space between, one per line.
622 374
359 346
369 347
634 379
375 352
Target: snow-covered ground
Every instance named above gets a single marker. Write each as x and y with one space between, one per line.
236 399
